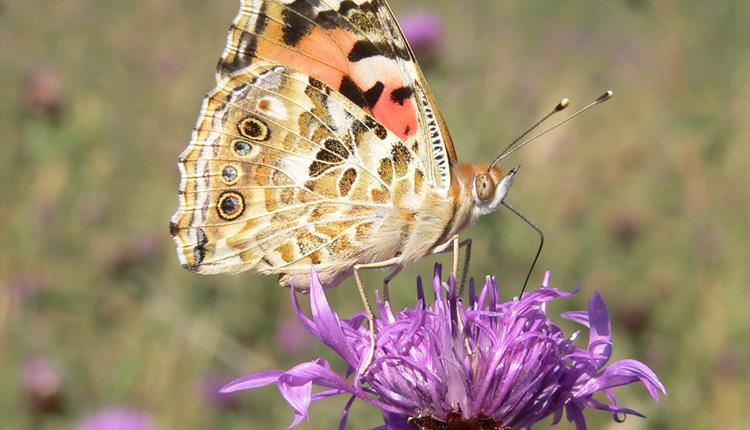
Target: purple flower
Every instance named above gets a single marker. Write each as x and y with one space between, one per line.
117 419
490 364
43 92
291 338
424 32
43 382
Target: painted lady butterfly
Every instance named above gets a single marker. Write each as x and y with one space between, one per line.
321 144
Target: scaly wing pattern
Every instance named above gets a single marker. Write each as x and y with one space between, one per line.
319 125
283 172
357 48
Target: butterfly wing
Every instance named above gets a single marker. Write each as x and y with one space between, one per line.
319 122
357 48
283 172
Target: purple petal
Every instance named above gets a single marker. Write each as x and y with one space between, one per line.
327 322
595 404
326 394
578 317
299 398
437 283
546 280
395 422
307 323
491 285
356 321
345 413
253 380
623 372
600 330
575 413
319 373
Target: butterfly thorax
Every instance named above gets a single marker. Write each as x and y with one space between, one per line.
420 230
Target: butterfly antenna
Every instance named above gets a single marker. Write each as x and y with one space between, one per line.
538 251
562 105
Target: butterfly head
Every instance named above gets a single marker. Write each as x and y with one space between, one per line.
489 188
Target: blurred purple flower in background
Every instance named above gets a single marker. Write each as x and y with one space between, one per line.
291 338
43 92
42 381
25 288
424 32
117 419
488 365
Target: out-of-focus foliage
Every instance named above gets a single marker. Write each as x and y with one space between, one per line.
644 199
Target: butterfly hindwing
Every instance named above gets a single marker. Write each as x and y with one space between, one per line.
282 172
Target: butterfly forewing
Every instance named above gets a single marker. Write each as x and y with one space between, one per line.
355 47
320 126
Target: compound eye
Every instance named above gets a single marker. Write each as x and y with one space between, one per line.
485 187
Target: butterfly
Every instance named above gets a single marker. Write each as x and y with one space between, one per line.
321 144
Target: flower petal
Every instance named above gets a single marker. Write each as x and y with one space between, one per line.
595 404
574 413
600 329
395 422
437 283
252 381
299 398
345 413
623 372
578 317
546 280
327 322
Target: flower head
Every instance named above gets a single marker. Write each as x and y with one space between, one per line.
42 381
490 364
424 32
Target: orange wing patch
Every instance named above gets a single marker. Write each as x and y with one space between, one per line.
330 48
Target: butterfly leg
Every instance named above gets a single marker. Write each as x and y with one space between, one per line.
389 278
454 245
465 268
368 310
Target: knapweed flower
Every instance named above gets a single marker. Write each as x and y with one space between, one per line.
43 92
117 419
42 381
424 32
486 365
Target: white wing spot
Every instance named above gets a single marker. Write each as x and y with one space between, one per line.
268 80
272 107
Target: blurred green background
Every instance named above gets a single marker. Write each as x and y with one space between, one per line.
645 199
